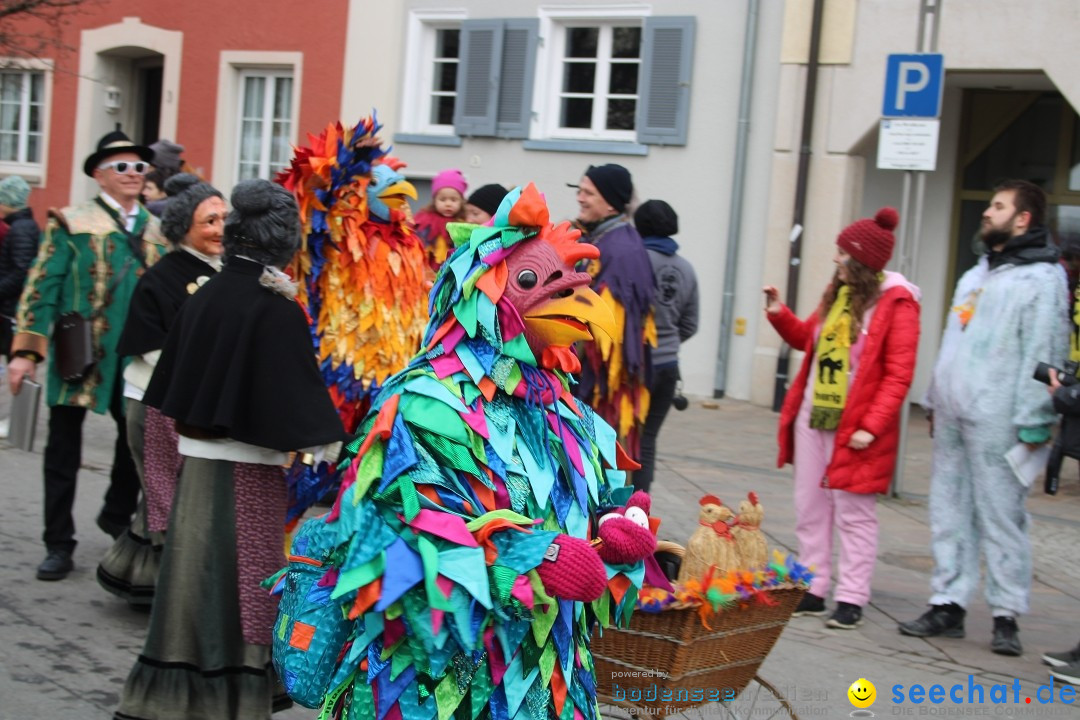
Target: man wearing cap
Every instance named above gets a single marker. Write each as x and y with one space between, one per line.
90 259
615 374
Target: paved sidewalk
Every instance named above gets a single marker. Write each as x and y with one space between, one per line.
69 645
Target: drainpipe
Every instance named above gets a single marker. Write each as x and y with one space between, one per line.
738 179
795 252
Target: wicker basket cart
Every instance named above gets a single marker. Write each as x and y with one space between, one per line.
669 663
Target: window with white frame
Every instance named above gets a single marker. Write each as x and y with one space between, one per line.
598 88
442 86
22 117
265 123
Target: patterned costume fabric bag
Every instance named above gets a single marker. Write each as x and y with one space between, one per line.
311 628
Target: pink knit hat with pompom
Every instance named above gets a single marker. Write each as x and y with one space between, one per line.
869 241
449 179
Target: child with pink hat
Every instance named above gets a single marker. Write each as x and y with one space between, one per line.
447 205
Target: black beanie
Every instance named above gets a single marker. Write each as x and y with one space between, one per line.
488 197
655 218
613 183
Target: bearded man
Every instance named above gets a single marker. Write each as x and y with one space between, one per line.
1009 313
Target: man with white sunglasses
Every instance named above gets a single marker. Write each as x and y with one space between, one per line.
90 258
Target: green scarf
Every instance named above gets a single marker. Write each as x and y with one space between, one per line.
833 361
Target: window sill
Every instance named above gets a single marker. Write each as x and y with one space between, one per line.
593 147
417 139
34 175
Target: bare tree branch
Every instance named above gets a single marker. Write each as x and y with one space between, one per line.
34 28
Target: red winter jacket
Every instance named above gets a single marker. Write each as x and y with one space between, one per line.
882 379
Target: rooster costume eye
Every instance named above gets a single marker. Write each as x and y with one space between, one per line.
527 279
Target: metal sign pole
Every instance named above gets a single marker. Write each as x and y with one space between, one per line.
929 19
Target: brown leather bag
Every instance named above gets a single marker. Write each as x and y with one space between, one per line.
73 344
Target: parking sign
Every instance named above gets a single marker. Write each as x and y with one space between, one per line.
913 85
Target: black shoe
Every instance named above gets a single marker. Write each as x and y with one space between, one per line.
1067 673
846 617
1061 659
810 605
56 566
1006 637
939 620
111 527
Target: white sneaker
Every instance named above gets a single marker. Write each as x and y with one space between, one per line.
4 427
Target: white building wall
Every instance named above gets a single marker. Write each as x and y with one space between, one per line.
695 179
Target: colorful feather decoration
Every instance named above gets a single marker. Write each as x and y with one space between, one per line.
472 464
360 272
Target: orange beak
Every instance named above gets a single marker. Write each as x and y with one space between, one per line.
562 321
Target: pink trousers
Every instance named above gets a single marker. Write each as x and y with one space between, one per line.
819 510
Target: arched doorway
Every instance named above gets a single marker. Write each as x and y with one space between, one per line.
129 78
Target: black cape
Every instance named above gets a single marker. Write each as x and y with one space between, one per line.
239 363
157 299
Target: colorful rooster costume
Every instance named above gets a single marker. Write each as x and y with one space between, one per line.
456 568
360 273
617 370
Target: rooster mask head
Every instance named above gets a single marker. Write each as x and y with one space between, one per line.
525 267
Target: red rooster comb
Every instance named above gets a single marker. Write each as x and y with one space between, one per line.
707 499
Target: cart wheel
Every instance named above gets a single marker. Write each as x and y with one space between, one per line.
758 701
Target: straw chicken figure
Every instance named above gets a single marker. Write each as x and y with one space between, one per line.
750 541
711 545
360 273
460 569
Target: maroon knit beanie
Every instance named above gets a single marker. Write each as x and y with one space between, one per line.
871 241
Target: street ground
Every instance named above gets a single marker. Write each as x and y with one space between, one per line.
69 645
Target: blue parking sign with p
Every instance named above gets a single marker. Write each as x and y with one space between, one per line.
913 85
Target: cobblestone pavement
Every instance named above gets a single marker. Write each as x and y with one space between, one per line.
69 645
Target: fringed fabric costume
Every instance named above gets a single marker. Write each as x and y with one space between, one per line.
616 371
458 550
360 273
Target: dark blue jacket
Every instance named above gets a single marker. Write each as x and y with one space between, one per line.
16 254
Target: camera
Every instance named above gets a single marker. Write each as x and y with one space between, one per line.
1065 376
1066 443
679 402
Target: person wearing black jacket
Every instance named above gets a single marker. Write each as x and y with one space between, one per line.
1065 666
17 252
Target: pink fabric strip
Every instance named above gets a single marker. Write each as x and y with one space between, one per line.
161 466
261 502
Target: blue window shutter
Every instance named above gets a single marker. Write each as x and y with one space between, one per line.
518 70
478 77
664 89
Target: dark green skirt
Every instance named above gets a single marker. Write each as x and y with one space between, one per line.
195 664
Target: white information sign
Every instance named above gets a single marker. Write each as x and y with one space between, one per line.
908 144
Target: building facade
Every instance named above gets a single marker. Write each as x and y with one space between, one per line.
702 101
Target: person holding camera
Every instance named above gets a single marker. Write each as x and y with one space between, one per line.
675 308
1008 314
839 425
1065 666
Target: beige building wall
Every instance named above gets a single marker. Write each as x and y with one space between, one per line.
986 43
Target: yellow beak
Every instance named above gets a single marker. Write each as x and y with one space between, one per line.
563 321
394 195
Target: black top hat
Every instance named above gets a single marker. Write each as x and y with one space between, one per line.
115 143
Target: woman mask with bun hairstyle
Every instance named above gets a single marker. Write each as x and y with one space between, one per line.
238 376
193 222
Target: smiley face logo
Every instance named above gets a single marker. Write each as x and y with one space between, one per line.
862 693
